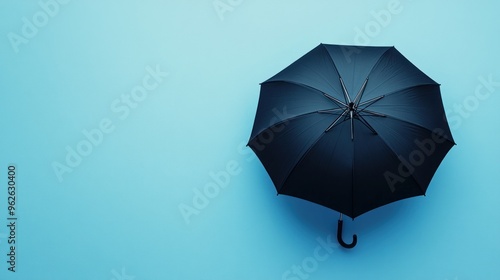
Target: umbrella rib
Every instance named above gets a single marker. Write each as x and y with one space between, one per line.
370 72
419 126
370 102
405 121
299 116
337 102
412 175
300 160
330 111
335 121
331 60
281 122
410 87
400 90
394 152
363 121
344 89
372 113
378 61
358 97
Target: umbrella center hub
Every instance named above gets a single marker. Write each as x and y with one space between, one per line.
352 106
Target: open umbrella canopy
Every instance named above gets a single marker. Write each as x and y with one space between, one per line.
351 128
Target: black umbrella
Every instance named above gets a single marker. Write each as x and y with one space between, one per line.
351 128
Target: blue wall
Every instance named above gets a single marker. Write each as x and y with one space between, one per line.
117 115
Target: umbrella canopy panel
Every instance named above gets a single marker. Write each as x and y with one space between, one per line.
351 128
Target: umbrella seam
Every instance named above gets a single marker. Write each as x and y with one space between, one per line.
412 176
419 126
294 117
399 119
407 124
301 159
331 59
280 122
378 61
406 88
396 154
298 84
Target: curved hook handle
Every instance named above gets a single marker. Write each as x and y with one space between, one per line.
339 237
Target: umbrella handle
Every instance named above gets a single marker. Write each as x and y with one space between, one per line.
339 237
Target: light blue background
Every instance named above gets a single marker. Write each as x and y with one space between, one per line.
117 214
